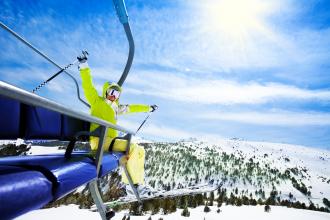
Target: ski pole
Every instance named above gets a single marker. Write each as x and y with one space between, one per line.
144 121
52 77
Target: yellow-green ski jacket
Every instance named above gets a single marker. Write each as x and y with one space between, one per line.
101 107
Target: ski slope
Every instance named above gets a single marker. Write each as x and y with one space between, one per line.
227 212
200 161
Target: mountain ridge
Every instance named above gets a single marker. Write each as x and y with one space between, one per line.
296 173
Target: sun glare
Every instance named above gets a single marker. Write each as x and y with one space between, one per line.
234 16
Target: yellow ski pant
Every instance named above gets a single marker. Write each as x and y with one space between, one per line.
135 160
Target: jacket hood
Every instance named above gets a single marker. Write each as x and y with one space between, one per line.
108 85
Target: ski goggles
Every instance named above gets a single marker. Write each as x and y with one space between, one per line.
113 93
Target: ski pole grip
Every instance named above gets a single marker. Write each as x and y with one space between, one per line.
121 11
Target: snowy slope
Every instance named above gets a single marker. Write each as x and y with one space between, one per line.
315 161
227 212
244 165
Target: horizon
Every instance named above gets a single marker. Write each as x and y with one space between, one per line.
258 71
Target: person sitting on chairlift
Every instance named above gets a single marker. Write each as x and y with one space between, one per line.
107 107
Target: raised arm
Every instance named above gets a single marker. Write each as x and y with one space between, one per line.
87 83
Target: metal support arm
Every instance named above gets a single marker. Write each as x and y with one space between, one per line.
44 56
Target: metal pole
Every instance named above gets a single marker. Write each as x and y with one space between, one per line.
123 18
44 56
98 199
130 53
130 181
99 153
29 98
93 188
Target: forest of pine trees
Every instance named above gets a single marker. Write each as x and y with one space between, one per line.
170 205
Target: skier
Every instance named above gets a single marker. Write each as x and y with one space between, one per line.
107 107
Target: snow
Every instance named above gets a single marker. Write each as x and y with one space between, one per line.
62 212
316 161
227 212
34 149
42 150
137 139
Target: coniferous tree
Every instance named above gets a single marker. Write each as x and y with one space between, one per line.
147 206
199 199
253 202
169 205
185 212
183 202
211 198
206 208
219 203
156 206
267 208
205 196
326 202
134 209
191 202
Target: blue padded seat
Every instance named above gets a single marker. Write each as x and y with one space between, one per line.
41 123
67 173
22 190
70 126
110 162
9 118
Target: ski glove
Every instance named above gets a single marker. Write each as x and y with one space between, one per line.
83 57
153 108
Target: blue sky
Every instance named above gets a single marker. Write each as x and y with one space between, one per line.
256 70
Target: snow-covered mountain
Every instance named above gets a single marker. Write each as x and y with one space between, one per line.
252 169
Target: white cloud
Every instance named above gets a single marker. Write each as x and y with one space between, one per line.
277 118
159 131
205 91
191 42
187 43
167 132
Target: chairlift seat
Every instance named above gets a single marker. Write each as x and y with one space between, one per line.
110 162
22 190
10 118
65 174
41 123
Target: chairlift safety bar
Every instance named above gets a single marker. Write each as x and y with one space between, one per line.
29 98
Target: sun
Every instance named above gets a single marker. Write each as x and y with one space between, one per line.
234 16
